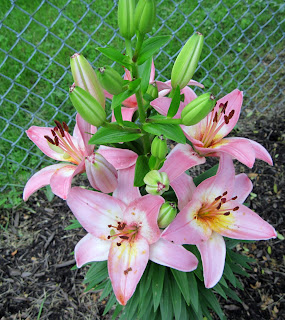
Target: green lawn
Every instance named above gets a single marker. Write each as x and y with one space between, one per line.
243 49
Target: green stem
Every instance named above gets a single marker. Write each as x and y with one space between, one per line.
138 46
129 49
120 128
157 163
164 121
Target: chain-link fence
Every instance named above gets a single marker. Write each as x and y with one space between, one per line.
243 48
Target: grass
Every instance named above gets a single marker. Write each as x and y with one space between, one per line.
243 49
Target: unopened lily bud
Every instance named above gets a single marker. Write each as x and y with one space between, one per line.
156 182
126 21
187 61
145 16
87 106
159 147
101 174
166 214
197 109
85 77
110 80
152 90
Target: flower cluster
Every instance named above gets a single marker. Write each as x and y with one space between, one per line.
130 215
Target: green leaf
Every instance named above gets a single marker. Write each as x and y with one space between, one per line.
141 170
165 301
240 259
132 89
49 194
229 275
212 300
223 282
152 162
194 293
176 299
232 294
175 102
183 284
170 131
117 56
107 290
218 288
118 115
97 273
157 285
112 300
205 175
150 46
144 73
117 311
74 225
113 135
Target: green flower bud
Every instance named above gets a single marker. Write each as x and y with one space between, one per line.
159 147
166 214
197 109
187 61
152 90
156 182
126 21
87 106
85 77
145 16
110 80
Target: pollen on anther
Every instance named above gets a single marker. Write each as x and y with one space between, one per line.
65 126
234 198
223 200
227 213
49 139
231 114
56 141
235 209
227 120
225 193
218 198
119 244
109 237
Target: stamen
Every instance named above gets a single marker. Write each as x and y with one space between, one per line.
227 213
109 237
65 126
56 141
124 237
216 117
234 198
223 200
58 124
109 226
227 120
49 140
231 114
218 198
119 244
121 226
225 193
53 132
235 209
219 206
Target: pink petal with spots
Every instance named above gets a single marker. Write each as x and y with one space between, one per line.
185 156
41 179
172 255
95 211
242 187
213 254
119 158
143 212
126 265
184 188
245 224
61 180
185 228
90 249
126 191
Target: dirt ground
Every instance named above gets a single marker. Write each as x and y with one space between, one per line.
36 251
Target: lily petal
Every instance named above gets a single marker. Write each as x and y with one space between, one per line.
195 83
185 156
61 180
242 187
171 255
260 152
243 224
95 210
184 188
119 158
185 229
90 248
213 254
126 191
144 212
41 179
126 264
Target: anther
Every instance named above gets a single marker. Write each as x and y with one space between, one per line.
65 126
119 244
124 237
227 120
235 209
227 213
58 124
56 141
223 200
218 198
49 140
109 226
216 117
109 237
225 193
234 198
231 114
219 206
53 132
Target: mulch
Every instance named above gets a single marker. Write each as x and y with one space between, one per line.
36 252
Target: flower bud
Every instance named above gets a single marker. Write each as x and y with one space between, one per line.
85 77
100 173
156 182
126 13
110 80
152 90
87 106
187 61
145 16
197 109
166 214
159 147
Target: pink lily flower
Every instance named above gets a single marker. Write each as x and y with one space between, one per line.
123 230
208 136
58 144
215 210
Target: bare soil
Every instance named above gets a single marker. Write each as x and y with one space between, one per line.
36 251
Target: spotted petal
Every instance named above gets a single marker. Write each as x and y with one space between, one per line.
126 264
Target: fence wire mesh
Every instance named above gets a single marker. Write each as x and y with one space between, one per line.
243 48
